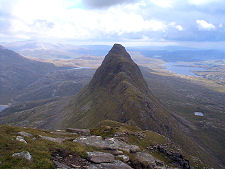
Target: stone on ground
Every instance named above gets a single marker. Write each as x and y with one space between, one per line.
115 165
57 140
24 134
100 157
24 155
21 139
108 143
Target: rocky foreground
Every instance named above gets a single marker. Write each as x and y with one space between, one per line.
110 146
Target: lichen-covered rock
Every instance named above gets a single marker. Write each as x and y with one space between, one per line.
24 155
57 140
21 139
108 144
100 157
115 165
145 157
24 134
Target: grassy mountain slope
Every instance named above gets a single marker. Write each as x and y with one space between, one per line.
56 84
118 92
43 151
17 72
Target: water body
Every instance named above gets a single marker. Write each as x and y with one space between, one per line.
198 114
78 68
182 70
2 107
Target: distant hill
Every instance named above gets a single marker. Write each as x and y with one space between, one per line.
45 50
17 72
22 79
56 84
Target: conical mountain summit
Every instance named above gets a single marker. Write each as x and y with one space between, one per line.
119 92
118 69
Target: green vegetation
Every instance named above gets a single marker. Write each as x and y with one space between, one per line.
39 149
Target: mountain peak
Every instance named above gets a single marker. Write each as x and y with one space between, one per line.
119 92
117 46
118 67
120 50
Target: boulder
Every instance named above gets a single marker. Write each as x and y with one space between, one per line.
100 157
24 155
85 132
24 134
124 157
107 144
21 139
145 157
145 161
57 140
115 165
134 149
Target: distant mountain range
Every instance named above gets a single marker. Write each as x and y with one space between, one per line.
22 79
46 50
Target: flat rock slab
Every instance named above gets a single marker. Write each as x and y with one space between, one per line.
57 140
24 155
145 157
115 165
59 165
24 134
100 157
85 132
108 144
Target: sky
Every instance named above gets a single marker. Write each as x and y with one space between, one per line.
107 21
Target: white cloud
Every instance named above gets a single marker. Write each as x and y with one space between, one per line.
174 25
203 2
163 3
78 23
71 19
204 25
179 27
